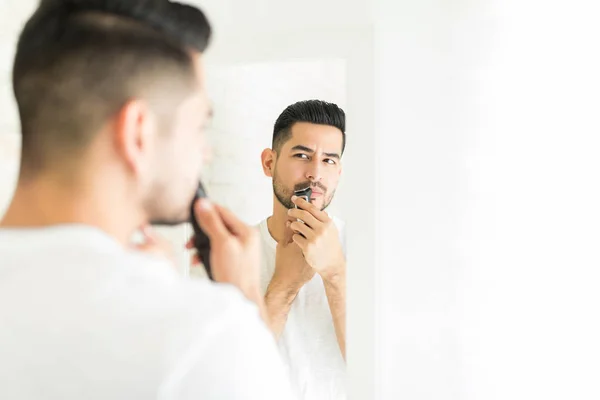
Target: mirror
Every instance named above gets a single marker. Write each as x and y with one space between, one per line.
248 99
250 86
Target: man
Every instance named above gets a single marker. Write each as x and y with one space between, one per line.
304 270
112 111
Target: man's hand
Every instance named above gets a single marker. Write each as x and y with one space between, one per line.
319 240
291 273
322 249
291 269
156 245
235 249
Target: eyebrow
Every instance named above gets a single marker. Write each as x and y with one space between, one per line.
311 151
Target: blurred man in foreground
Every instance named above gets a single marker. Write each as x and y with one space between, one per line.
112 112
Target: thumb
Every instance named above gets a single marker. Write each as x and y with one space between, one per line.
147 239
209 219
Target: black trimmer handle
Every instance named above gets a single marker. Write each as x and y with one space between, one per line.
306 193
201 240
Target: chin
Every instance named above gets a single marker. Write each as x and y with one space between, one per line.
166 222
171 220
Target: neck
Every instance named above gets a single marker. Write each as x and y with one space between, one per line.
53 199
276 222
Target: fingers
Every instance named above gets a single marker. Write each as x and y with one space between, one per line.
233 223
217 220
190 244
155 244
195 260
148 233
304 216
210 220
299 227
301 242
310 208
151 239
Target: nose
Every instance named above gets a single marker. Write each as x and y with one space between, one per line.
313 173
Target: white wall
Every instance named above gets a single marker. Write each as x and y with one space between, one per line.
9 165
420 184
12 15
487 117
530 237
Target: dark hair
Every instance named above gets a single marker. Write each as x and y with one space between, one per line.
188 25
78 62
184 23
313 111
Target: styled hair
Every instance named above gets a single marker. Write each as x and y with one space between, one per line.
188 25
184 23
312 111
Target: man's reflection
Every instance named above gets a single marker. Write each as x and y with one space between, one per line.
304 267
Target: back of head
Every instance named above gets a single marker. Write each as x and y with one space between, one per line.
188 25
78 62
184 23
312 111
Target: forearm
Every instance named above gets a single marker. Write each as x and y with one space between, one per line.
278 302
335 289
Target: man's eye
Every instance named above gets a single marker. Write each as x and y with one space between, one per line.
330 161
303 156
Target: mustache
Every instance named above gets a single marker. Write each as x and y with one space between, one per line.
305 185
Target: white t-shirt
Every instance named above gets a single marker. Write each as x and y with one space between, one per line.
83 318
308 343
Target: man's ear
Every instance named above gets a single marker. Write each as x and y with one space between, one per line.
133 135
268 158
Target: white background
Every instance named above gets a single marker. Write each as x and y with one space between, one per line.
474 251
489 288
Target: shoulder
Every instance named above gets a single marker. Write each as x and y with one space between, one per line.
153 286
261 227
268 243
339 223
230 343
